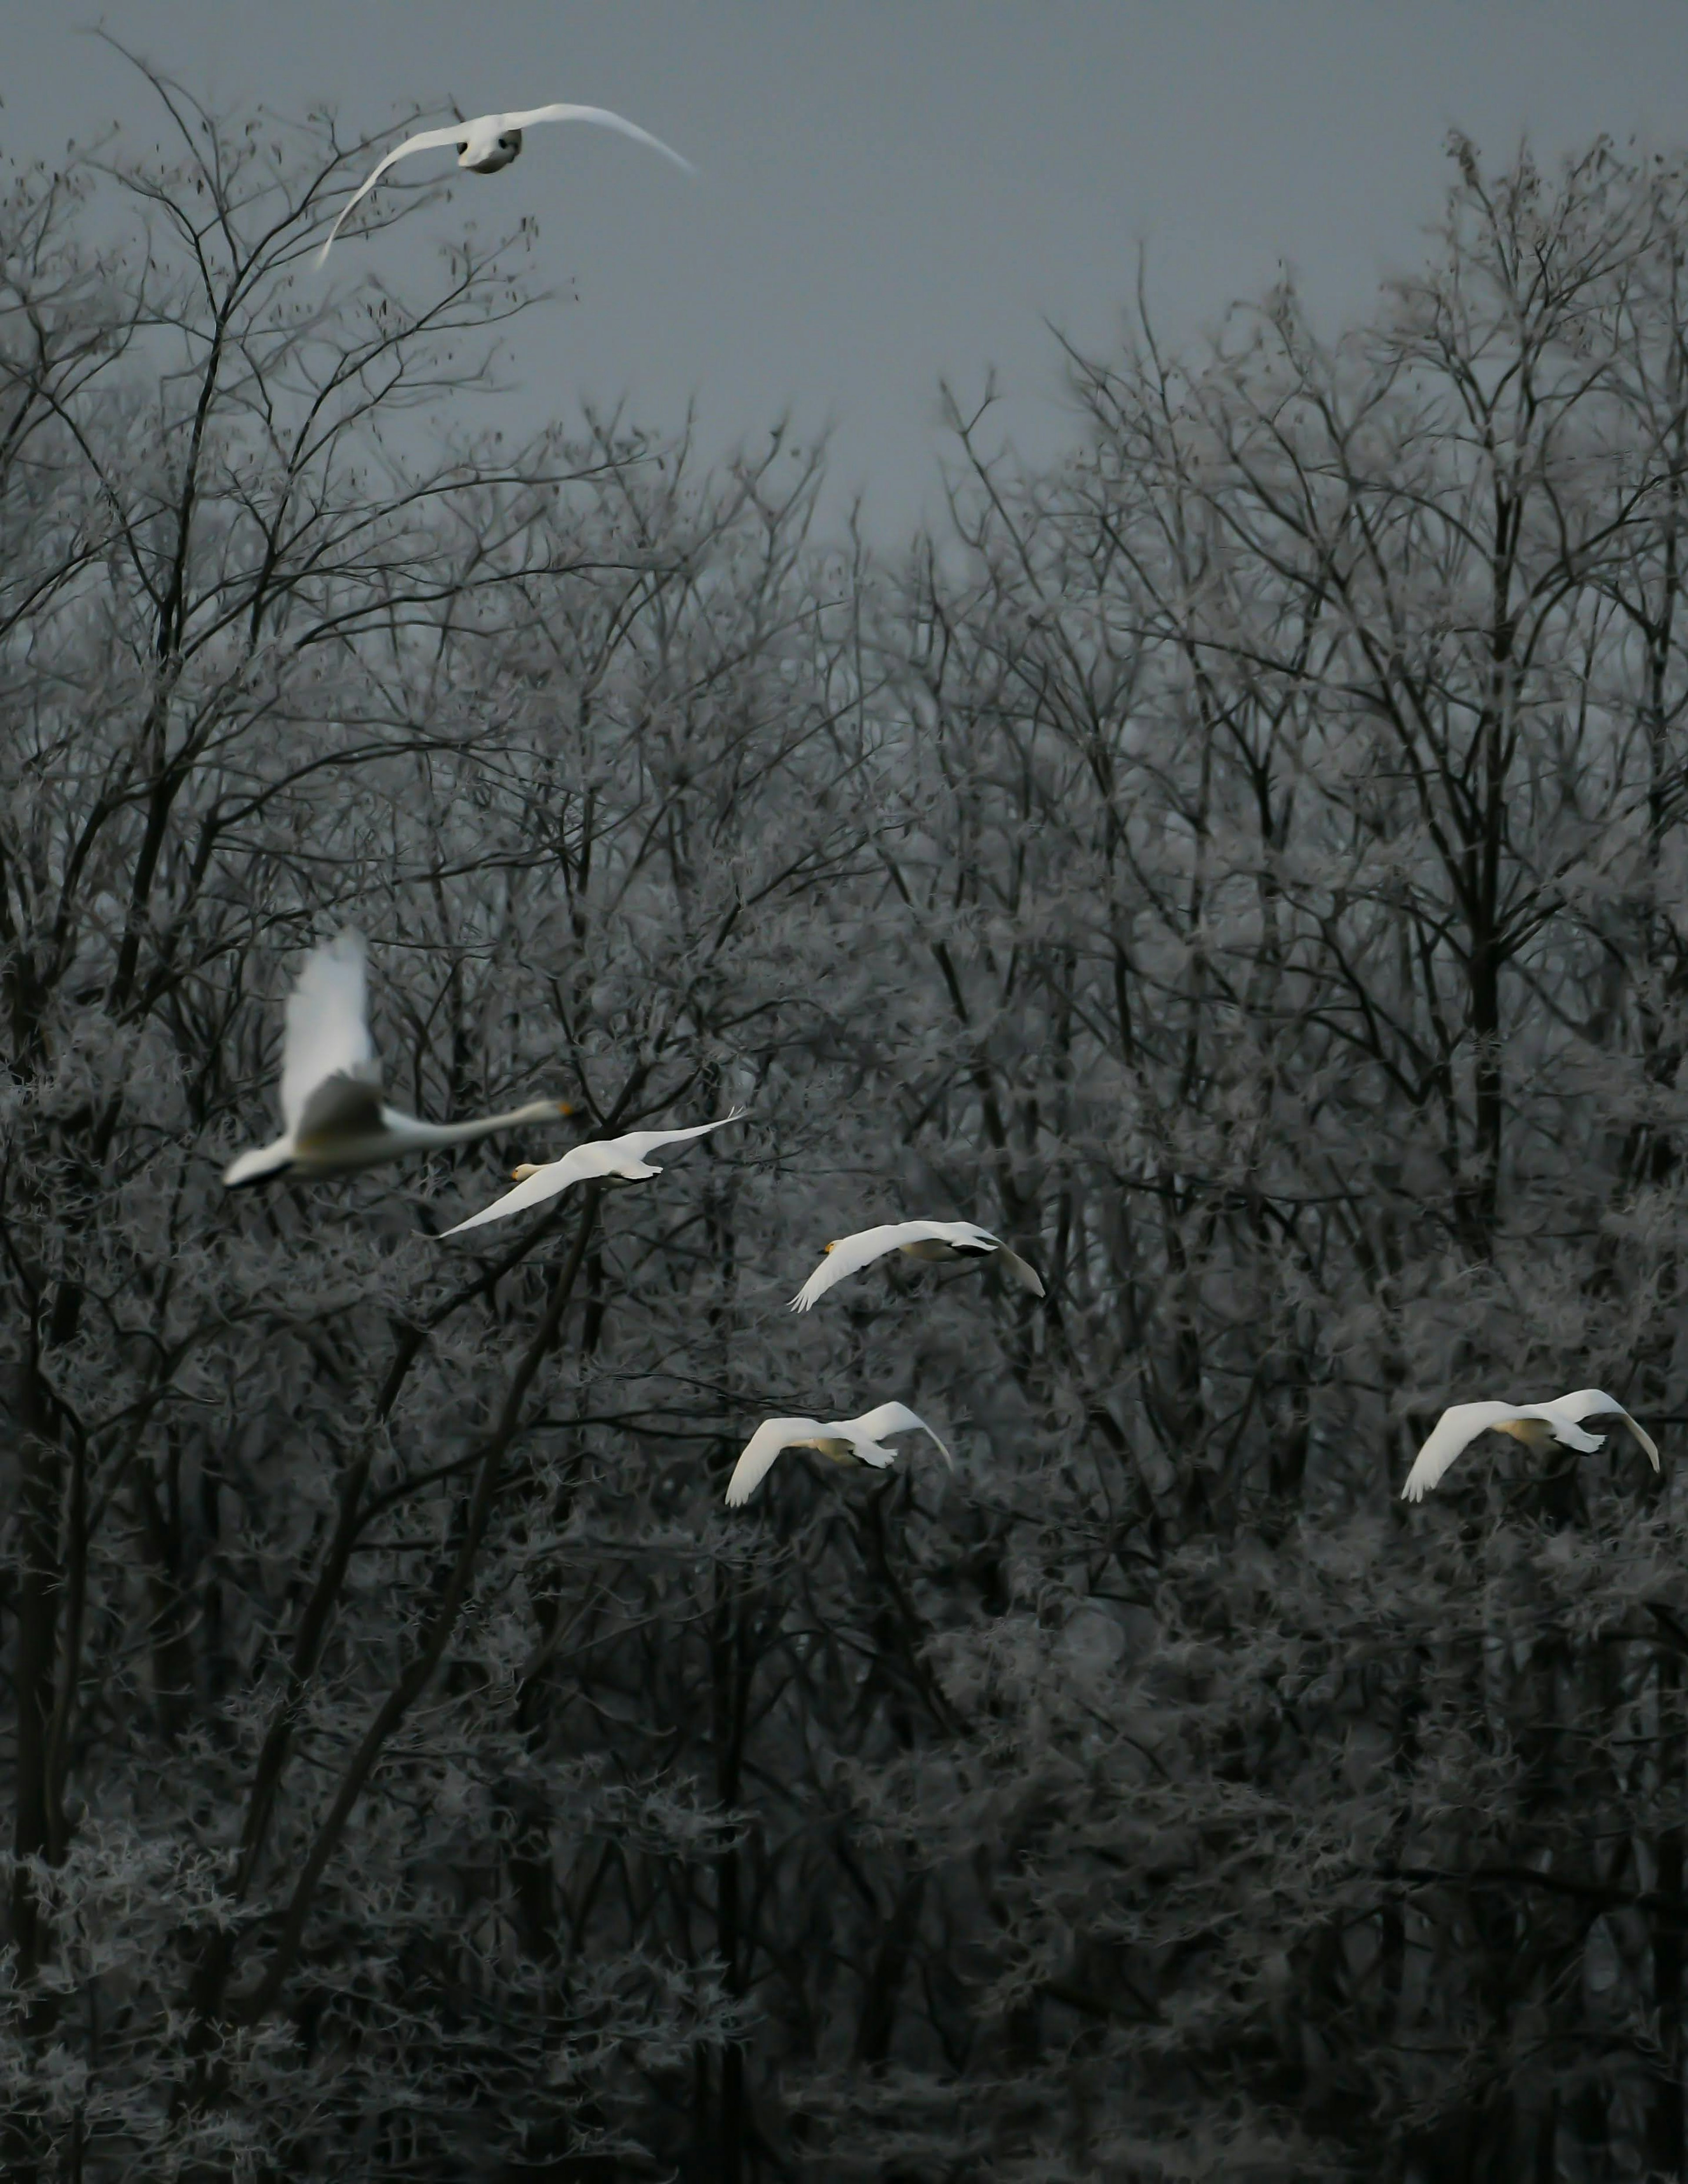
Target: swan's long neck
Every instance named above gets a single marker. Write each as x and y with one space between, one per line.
411 1132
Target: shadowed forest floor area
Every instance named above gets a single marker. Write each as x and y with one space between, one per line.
1242 866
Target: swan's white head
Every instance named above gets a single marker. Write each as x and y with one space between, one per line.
528 1168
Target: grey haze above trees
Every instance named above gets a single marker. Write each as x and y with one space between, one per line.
1241 867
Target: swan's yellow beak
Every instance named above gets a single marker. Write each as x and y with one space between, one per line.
833 1246
565 1106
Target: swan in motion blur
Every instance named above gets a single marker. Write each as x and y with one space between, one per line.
332 1107
845 1441
1535 1425
919 1239
491 140
599 1157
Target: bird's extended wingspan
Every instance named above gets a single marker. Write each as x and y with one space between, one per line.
328 1029
604 119
1594 1403
1460 1425
499 125
426 140
547 1182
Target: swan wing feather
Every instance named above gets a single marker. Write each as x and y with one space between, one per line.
1594 1403
1027 1277
549 1181
756 1457
890 1419
327 1032
425 140
635 1145
850 1254
531 117
1452 1434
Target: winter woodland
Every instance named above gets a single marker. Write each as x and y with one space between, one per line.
1243 866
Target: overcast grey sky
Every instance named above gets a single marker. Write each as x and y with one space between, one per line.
891 192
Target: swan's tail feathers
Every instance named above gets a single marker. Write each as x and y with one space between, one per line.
258 1165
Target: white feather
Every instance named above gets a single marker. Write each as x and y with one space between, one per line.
327 1025
896 1418
756 1458
1592 1403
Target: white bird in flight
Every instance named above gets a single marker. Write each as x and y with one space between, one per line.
919 1239
1535 1425
491 140
599 1157
334 1118
845 1441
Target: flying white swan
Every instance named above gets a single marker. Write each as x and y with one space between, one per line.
623 1157
332 1106
920 1240
491 141
846 1441
1535 1425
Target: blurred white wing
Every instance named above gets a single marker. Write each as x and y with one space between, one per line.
638 1144
1453 1433
896 1418
756 1458
426 140
1592 1403
327 1031
549 1181
601 114
850 1254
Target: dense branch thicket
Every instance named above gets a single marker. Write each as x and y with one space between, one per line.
1241 866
